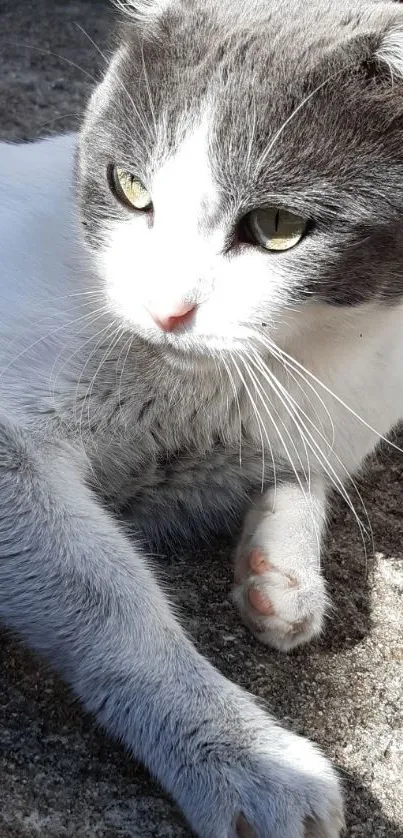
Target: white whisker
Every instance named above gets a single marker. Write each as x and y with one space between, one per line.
143 124
150 99
46 337
56 55
113 339
128 344
263 399
314 446
98 314
339 400
236 397
292 116
320 456
259 421
99 337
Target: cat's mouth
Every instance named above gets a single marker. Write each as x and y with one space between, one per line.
186 344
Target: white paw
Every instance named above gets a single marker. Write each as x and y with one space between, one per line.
269 783
282 609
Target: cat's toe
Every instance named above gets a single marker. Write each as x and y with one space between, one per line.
244 829
331 829
282 610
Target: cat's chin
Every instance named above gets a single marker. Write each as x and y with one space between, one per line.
187 345
182 350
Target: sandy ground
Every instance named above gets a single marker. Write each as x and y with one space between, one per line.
59 775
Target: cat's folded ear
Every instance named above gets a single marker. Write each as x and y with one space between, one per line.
379 49
143 12
378 52
389 53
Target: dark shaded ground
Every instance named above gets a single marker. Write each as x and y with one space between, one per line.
59 776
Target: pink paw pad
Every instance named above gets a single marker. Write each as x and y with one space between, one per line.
259 602
257 561
259 565
274 599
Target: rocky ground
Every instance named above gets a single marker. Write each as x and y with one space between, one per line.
60 777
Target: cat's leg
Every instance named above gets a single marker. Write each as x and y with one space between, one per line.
78 591
279 588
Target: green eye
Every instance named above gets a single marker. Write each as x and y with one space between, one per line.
130 189
275 229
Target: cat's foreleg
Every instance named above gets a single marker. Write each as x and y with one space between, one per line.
80 593
279 588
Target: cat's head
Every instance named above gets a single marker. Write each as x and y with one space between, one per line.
242 162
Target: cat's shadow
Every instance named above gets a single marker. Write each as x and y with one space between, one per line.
349 562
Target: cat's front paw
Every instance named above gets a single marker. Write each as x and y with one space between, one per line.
283 607
263 782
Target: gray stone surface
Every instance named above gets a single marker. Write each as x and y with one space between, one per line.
59 775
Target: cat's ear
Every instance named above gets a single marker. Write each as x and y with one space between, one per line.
390 52
144 12
378 52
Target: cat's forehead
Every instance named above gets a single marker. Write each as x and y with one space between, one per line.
203 34
226 15
293 101
249 72
249 62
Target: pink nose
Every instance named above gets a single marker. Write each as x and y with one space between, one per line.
169 322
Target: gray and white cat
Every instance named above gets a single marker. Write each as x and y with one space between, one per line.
201 312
